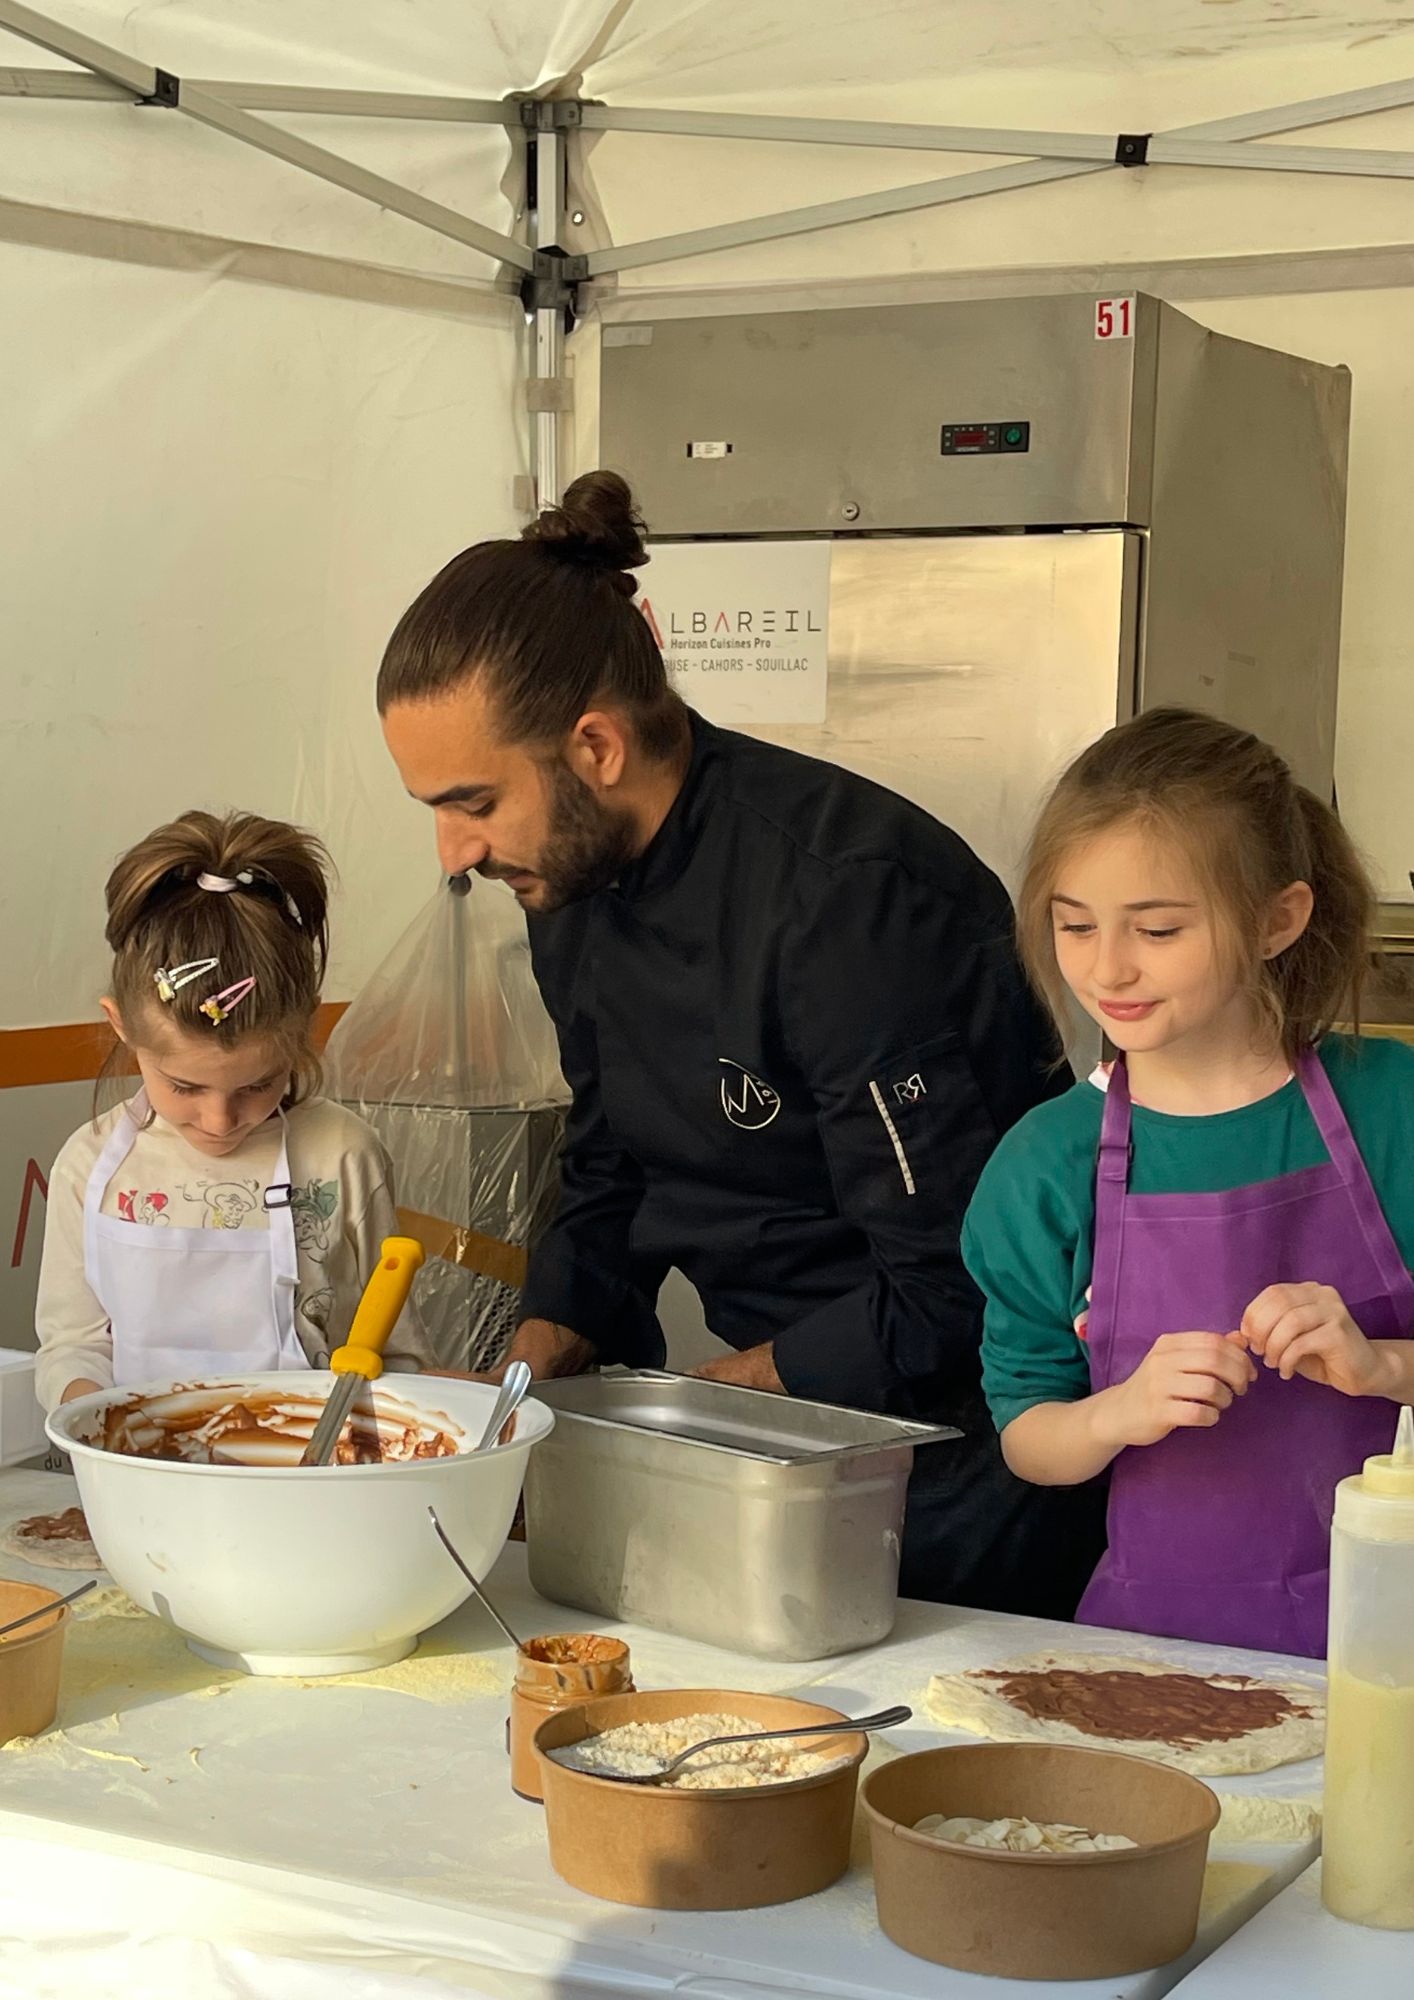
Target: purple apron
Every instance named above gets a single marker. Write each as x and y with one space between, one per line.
1224 1534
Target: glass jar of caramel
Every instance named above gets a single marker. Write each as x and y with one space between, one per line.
555 1673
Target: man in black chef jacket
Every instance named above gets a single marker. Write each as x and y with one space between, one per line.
789 1010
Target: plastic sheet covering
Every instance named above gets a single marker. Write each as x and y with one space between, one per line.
449 1054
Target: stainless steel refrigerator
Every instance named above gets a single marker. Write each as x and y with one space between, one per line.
1044 515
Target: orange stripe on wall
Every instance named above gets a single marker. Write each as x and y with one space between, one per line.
75 1053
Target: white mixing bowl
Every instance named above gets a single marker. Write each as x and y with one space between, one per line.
293 1569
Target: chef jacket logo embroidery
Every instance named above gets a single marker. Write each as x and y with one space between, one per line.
910 1090
749 1103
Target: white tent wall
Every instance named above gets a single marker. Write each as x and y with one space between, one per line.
1373 333
217 498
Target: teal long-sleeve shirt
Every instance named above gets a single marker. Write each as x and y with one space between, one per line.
1028 1238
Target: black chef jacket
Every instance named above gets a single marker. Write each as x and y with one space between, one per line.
795 1028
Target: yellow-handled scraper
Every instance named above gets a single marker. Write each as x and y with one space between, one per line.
360 1359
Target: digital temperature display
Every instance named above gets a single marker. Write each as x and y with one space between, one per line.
977 440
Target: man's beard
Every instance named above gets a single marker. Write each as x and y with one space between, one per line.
588 845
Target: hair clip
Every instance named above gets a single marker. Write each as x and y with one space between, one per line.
169 984
220 1004
223 885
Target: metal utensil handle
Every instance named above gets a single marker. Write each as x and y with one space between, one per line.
330 1427
513 1387
480 1593
46 1610
887 1718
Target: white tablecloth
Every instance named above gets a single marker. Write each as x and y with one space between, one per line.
1295 1950
185 1831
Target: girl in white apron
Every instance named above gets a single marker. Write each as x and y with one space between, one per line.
225 1218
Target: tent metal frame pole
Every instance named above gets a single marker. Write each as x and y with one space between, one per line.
549 320
1360 163
159 87
993 180
1104 149
549 270
290 97
875 134
948 138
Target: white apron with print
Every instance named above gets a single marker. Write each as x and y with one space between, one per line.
188 1303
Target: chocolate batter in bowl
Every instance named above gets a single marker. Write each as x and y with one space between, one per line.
201 1425
201 1512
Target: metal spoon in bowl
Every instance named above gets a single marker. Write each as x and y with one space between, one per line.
513 1387
45 1609
443 1538
887 1718
480 1594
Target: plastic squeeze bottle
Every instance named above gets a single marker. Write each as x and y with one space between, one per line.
1368 1868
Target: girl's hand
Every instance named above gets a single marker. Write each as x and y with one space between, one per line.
1306 1330
1184 1382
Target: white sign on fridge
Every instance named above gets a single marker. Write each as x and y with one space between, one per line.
744 627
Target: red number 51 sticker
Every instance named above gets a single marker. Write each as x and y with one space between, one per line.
1114 319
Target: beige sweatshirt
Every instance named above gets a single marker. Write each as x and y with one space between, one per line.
343 1208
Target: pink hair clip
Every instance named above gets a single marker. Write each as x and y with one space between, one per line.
220 1004
170 983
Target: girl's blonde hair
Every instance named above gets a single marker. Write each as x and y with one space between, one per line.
273 926
1230 805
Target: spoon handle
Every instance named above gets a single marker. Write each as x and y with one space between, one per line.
45 1610
481 1596
513 1388
886 1718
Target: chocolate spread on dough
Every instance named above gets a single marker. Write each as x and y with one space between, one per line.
1180 1709
70 1526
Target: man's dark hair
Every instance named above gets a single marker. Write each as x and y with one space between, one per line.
547 623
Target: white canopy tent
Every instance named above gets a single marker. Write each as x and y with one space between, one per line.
268 360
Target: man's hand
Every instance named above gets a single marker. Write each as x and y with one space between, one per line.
755 1368
1306 1330
550 1350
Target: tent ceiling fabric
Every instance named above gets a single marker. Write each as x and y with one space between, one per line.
712 50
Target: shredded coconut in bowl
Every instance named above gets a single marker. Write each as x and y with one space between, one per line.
639 1749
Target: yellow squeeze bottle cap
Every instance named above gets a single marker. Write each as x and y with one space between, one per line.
1393 1473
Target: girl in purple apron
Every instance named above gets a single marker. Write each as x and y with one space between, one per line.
1231 1194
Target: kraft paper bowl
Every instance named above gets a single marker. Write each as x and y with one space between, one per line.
660 1849
1040 1916
30 1661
